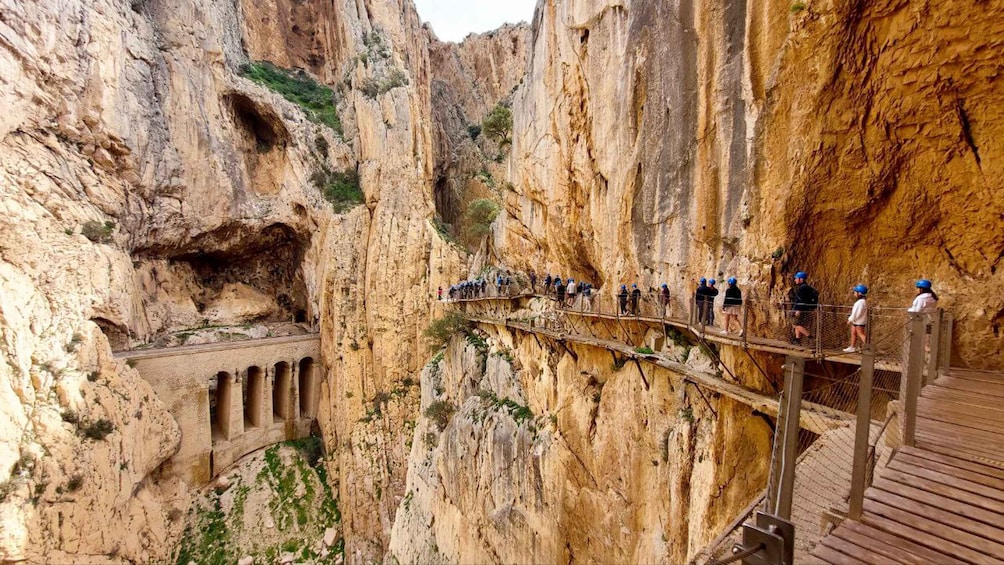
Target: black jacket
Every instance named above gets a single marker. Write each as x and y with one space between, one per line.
733 296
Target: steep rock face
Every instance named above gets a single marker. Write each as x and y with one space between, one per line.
661 142
556 456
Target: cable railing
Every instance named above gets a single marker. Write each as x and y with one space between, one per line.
759 324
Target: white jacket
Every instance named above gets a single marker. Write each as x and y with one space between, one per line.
859 313
924 303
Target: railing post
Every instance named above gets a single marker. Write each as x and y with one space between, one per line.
784 479
935 341
746 320
947 320
910 383
819 331
862 434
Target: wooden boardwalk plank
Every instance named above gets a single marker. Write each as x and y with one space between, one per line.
848 548
906 550
944 490
968 385
927 532
977 375
963 398
947 469
962 509
954 462
972 534
946 479
969 416
947 448
965 449
834 557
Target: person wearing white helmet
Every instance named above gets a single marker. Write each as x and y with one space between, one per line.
570 292
858 320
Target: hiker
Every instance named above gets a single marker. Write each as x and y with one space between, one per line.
664 299
733 305
587 296
570 291
635 297
440 295
559 289
700 296
622 298
926 301
858 319
804 302
533 282
508 285
547 284
709 302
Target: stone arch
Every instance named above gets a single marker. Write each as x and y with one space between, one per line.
220 401
254 396
281 387
308 388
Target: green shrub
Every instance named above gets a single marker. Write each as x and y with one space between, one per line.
98 232
644 350
440 412
373 86
316 100
480 215
474 130
687 415
340 188
70 416
442 329
498 125
98 430
797 7
74 484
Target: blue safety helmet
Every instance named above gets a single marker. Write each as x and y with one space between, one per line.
664 285
623 287
862 289
703 280
732 280
712 282
634 286
801 275
924 283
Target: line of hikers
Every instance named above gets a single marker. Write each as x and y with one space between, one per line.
803 301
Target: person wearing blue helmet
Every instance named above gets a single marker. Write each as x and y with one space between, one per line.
664 299
709 302
559 291
804 302
700 300
622 300
858 320
635 298
733 305
926 301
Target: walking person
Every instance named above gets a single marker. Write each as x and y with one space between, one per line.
709 302
570 292
804 302
547 284
733 305
664 299
635 298
858 320
559 290
622 300
533 282
699 299
440 294
926 301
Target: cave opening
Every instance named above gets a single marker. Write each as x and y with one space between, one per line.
118 336
263 132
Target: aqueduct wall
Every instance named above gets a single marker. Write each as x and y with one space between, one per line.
233 398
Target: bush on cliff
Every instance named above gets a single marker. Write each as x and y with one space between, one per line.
316 100
442 329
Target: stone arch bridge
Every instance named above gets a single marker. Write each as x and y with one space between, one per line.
233 398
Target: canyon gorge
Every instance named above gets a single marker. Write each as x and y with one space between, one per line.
199 173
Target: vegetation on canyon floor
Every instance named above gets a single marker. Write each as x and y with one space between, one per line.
300 501
316 100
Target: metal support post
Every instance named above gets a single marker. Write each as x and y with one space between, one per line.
862 433
935 347
746 320
911 381
794 375
819 331
947 320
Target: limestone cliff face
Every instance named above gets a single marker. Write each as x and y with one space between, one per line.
558 455
671 140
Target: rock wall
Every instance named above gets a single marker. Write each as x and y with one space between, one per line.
662 142
558 454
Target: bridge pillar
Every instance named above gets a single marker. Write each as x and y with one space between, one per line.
282 388
229 418
254 392
307 389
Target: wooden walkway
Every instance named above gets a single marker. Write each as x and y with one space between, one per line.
708 333
941 502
